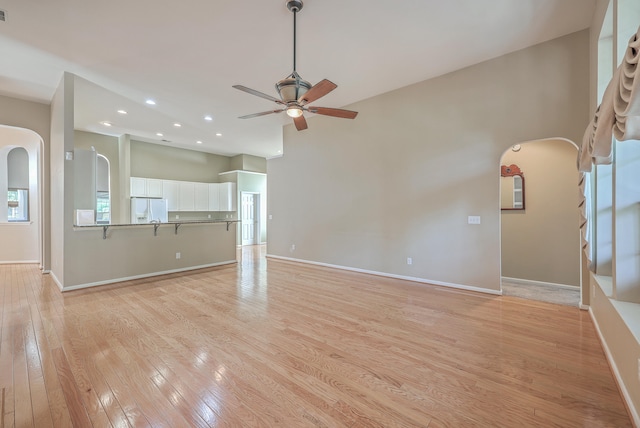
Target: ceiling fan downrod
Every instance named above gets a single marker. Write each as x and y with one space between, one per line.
294 6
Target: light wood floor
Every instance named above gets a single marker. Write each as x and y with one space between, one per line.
270 343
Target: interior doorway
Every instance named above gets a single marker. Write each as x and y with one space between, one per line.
250 218
21 190
540 236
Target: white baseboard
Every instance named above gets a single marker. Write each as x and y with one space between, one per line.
56 280
532 282
19 262
145 275
391 275
616 374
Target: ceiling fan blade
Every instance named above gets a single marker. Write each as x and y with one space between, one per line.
335 112
318 90
300 122
257 93
264 113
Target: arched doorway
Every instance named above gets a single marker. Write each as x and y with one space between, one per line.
540 244
21 196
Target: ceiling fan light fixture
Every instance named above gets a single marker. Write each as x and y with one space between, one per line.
294 111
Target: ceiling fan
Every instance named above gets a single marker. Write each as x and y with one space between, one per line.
295 93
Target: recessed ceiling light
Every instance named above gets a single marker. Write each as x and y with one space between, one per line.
218 135
208 118
177 125
150 102
159 134
199 142
106 123
122 111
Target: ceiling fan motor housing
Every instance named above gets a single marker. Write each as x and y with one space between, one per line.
292 88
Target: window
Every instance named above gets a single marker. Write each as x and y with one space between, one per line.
103 209
103 196
18 204
17 185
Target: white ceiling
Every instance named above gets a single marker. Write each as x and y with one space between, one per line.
186 55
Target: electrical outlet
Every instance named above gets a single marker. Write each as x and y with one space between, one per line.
409 261
293 248
209 216
177 216
270 217
177 256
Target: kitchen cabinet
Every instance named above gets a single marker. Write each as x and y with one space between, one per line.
138 187
170 193
186 196
154 188
145 187
201 199
228 197
214 196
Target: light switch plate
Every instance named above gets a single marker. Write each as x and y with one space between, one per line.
473 219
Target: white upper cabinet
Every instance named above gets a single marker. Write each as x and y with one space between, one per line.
214 196
138 187
201 196
146 187
186 196
228 197
170 193
154 188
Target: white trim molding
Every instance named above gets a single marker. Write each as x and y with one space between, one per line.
633 412
146 275
20 262
391 275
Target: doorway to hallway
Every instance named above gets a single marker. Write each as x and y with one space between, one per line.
250 218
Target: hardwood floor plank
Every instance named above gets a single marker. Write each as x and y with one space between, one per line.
273 343
78 413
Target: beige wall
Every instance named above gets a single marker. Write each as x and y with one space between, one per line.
248 163
61 179
157 161
401 179
541 243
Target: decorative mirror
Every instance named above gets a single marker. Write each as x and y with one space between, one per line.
511 187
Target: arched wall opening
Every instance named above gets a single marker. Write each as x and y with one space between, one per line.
24 238
541 243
